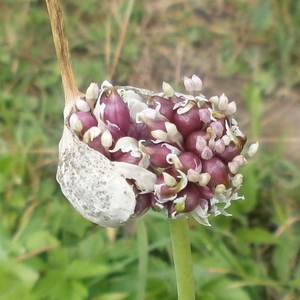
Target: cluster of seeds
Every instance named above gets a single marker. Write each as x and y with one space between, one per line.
192 144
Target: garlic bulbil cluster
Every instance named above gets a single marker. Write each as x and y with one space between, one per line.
125 150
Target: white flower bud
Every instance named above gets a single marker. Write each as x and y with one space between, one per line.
159 135
127 144
206 153
82 105
193 175
231 109
220 189
241 160
214 100
226 139
188 84
253 149
237 180
204 179
198 82
222 105
90 134
168 179
106 85
173 133
75 123
233 167
219 146
92 92
167 89
192 84
106 139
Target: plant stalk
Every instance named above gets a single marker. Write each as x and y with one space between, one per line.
143 258
182 258
62 50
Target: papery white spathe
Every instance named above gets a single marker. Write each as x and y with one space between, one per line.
95 186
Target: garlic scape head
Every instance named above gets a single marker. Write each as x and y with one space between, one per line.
125 150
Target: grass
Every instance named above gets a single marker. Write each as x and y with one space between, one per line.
247 49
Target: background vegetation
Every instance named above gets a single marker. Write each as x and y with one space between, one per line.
247 49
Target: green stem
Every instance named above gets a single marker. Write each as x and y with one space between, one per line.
143 258
182 258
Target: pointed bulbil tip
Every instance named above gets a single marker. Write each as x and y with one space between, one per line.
116 110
